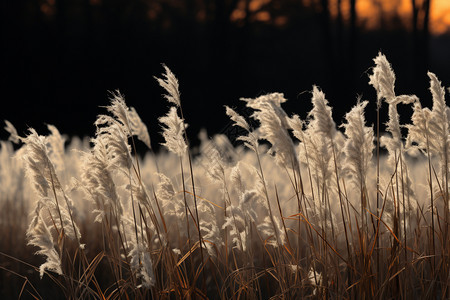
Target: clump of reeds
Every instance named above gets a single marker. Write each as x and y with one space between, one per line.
318 216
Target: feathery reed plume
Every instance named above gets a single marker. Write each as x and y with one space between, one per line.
358 149
56 151
212 240
359 145
180 146
140 261
439 125
273 100
383 79
241 217
296 124
13 136
321 120
118 108
98 182
318 138
273 128
127 119
418 138
116 144
173 132
42 174
138 127
39 167
170 83
237 118
39 235
216 167
166 193
250 140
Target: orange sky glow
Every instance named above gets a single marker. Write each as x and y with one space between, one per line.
371 13
439 13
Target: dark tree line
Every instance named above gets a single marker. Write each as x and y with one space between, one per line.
67 53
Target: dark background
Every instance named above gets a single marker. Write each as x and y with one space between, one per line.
60 57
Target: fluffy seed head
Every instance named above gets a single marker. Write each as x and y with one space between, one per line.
321 114
173 129
170 83
14 137
383 79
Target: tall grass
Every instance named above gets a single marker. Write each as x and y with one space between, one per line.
311 212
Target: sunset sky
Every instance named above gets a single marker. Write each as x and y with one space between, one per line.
371 13
439 12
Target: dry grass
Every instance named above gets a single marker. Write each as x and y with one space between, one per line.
314 217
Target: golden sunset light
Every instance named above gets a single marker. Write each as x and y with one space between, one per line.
372 14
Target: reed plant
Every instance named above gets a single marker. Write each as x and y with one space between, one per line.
286 208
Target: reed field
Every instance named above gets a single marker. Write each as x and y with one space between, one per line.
275 207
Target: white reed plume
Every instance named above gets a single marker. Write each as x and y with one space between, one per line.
98 183
359 146
170 203
141 262
429 130
138 127
118 108
241 217
170 83
296 124
212 239
238 227
55 143
250 140
165 190
236 180
439 123
274 100
419 136
145 268
12 185
173 132
383 79
321 138
274 130
249 201
39 235
38 165
13 136
272 231
215 168
127 119
321 120
317 154
41 172
116 143
237 119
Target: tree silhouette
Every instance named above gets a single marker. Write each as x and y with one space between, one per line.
421 36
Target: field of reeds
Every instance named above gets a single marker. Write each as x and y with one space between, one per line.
276 207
